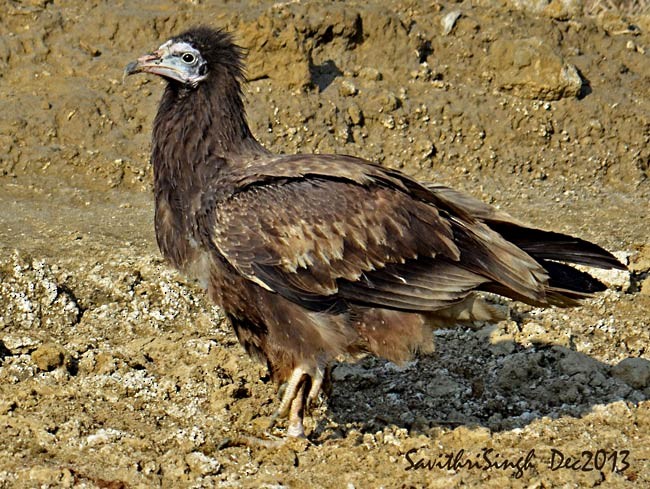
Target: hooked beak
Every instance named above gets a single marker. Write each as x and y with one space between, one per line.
156 63
149 63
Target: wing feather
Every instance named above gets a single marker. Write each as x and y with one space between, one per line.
303 238
324 230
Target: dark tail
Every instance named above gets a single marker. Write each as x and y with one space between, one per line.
548 245
567 285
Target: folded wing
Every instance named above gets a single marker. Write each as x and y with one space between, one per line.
324 231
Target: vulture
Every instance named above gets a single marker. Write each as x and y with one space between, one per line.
317 256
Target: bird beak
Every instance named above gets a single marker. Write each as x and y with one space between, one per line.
156 63
147 63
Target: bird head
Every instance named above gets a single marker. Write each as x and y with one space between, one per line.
191 57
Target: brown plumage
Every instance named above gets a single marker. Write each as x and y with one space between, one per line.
314 256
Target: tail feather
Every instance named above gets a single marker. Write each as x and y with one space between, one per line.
549 245
565 285
563 276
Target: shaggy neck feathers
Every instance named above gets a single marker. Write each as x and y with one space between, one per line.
202 127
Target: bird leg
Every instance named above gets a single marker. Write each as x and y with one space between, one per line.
316 386
290 390
298 393
296 427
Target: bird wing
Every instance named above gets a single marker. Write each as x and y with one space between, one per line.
321 229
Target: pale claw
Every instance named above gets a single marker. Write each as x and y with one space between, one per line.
299 392
290 391
299 444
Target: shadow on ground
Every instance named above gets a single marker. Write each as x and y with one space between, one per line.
473 381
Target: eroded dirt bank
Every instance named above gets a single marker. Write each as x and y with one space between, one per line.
116 372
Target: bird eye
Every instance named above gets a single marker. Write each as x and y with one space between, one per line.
188 58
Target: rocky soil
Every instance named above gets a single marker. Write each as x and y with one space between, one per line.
115 372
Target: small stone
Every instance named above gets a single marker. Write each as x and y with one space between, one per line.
532 329
425 149
635 372
371 74
202 465
618 279
347 89
105 363
640 260
388 122
389 102
423 72
343 134
355 114
48 356
645 287
562 9
449 21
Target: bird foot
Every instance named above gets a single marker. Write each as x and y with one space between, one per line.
272 442
298 394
